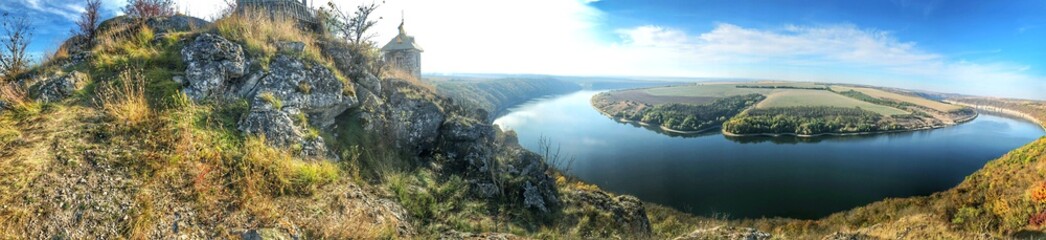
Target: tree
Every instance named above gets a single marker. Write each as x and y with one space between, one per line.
142 9
353 27
17 33
88 23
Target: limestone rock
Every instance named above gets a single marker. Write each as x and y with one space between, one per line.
413 120
369 81
265 234
212 62
312 89
460 129
848 236
291 47
58 87
455 235
159 25
285 101
627 211
725 232
532 197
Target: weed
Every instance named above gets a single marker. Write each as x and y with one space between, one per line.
271 99
125 100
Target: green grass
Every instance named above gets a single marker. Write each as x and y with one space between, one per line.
722 89
815 98
781 97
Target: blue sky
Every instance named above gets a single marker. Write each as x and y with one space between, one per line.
974 47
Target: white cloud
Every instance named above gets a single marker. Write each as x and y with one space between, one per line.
835 53
566 37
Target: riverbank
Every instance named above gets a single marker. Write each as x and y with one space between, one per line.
730 134
1001 110
663 128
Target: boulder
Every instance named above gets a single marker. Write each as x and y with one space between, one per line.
265 234
456 235
413 120
312 89
291 47
461 129
848 236
369 81
58 87
211 62
285 101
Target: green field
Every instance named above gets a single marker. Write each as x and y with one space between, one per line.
939 106
821 98
776 97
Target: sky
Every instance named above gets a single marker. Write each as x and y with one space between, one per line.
990 48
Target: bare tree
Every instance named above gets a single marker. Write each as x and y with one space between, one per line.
353 27
227 10
554 158
17 33
149 8
88 22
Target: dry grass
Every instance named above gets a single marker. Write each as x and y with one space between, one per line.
407 77
274 171
125 100
260 33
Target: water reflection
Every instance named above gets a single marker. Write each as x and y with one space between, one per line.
762 176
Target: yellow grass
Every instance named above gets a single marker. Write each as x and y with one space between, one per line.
401 74
125 100
935 105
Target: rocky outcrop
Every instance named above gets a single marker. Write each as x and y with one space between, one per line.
413 118
455 235
265 234
848 236
312 90
212 62
627 212
159 25
480 151
727 233
58 86
286 101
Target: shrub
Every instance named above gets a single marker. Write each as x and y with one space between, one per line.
1038 220
125 100
1038 193
965 214
271 99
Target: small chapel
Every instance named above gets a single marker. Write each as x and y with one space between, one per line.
403 53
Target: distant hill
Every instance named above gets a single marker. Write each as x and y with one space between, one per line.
496 95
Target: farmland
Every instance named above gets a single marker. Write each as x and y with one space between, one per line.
935 105
809 98
794 108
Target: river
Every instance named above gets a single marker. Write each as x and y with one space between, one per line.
711 174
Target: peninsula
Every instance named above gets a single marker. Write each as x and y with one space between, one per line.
780 108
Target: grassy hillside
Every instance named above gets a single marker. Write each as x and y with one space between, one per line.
129 156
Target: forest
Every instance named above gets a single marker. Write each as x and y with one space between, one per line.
687 117
807 121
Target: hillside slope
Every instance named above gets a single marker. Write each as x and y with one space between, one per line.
244 128
247 127
495 96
